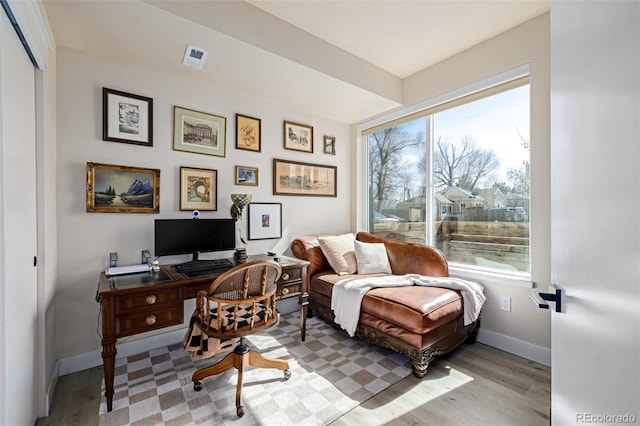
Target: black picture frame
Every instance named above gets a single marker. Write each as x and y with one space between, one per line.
127 118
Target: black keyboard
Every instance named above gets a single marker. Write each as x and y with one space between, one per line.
203 265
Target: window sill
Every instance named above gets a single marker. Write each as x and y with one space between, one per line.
491 276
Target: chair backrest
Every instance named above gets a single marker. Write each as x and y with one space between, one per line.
245 298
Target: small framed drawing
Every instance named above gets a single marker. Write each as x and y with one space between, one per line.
199 132
122 189
295 178
198 189
329 145
298 137
127 118
265 221
246 176
248 133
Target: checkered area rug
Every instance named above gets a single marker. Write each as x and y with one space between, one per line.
331 374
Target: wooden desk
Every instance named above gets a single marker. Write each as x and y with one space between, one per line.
133 304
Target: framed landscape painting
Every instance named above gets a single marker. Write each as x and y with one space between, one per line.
246 176
198 189
122 189
127 118
295 178
199 132
298 137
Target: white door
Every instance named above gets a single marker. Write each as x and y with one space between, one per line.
595 205
18 220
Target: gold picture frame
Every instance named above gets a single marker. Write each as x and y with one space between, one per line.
122 189
296 178
199 132
298 137
329 145
246 176
248 133
198 189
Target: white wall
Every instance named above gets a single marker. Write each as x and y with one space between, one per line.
526 329
86 239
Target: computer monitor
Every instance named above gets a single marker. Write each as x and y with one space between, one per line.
184 236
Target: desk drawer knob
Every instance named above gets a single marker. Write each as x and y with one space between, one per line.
151 299
151 319
285 291
285 276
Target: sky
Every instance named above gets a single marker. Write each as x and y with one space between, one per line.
493 123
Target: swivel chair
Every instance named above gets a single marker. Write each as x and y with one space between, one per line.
239 302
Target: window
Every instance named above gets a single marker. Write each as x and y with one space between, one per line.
456 176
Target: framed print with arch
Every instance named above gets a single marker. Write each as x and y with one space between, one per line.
198 189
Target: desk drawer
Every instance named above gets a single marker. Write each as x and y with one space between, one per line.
135 302
290 275
149 319
288 290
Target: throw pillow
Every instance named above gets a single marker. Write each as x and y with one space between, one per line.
372 258
338 249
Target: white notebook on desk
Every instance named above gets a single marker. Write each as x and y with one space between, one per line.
129 269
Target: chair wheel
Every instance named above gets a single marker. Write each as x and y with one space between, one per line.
287 374
240 411
197 386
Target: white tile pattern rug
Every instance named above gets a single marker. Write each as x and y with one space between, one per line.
331 374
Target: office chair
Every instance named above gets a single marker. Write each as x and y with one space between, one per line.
239 302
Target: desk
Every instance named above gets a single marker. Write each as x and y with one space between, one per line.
134 304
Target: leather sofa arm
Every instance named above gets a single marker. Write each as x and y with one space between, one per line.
410 258
307 248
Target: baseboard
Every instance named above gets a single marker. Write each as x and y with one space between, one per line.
515 346
53 381
79 362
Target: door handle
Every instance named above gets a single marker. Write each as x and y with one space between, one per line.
541 299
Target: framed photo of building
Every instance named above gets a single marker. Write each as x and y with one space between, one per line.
246 176
122 189
248 133
298 137
295 178
127 118
198 189
265 221
199 132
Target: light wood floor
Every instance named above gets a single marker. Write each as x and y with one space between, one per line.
475 385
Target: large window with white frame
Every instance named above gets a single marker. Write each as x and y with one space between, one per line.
456 176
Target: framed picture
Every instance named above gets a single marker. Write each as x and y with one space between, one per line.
198 189
265 221
329 145
199 132
298 137
294 178
248 133
127 118
122 189
246 176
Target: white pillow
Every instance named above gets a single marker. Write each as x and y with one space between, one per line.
338 250
372 258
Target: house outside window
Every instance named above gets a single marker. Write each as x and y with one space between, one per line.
456 176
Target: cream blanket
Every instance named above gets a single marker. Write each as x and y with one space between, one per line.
348 293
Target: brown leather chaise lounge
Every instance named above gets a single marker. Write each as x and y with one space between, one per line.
420 322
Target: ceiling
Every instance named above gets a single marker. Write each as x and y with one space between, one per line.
341 59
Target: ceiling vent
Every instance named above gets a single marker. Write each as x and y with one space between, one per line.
194 57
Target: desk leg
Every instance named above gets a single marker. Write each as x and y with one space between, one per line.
304 304
108 348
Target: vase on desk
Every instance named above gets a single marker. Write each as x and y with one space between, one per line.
240 253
